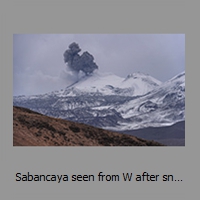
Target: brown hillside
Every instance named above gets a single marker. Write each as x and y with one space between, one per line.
33 129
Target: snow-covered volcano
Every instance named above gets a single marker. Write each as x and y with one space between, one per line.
112 102
109 84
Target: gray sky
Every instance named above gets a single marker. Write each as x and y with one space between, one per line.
38 64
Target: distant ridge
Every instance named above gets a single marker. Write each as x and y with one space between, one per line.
173 135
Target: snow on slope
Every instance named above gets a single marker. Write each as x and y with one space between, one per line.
112 102
142 83
109 84
163 106
134 84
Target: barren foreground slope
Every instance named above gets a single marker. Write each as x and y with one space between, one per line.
34 129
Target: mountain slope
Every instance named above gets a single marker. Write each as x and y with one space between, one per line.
163 106
109 84
34 129
114 103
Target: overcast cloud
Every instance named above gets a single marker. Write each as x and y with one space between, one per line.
38 64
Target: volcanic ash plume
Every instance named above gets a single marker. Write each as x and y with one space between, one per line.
76 62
